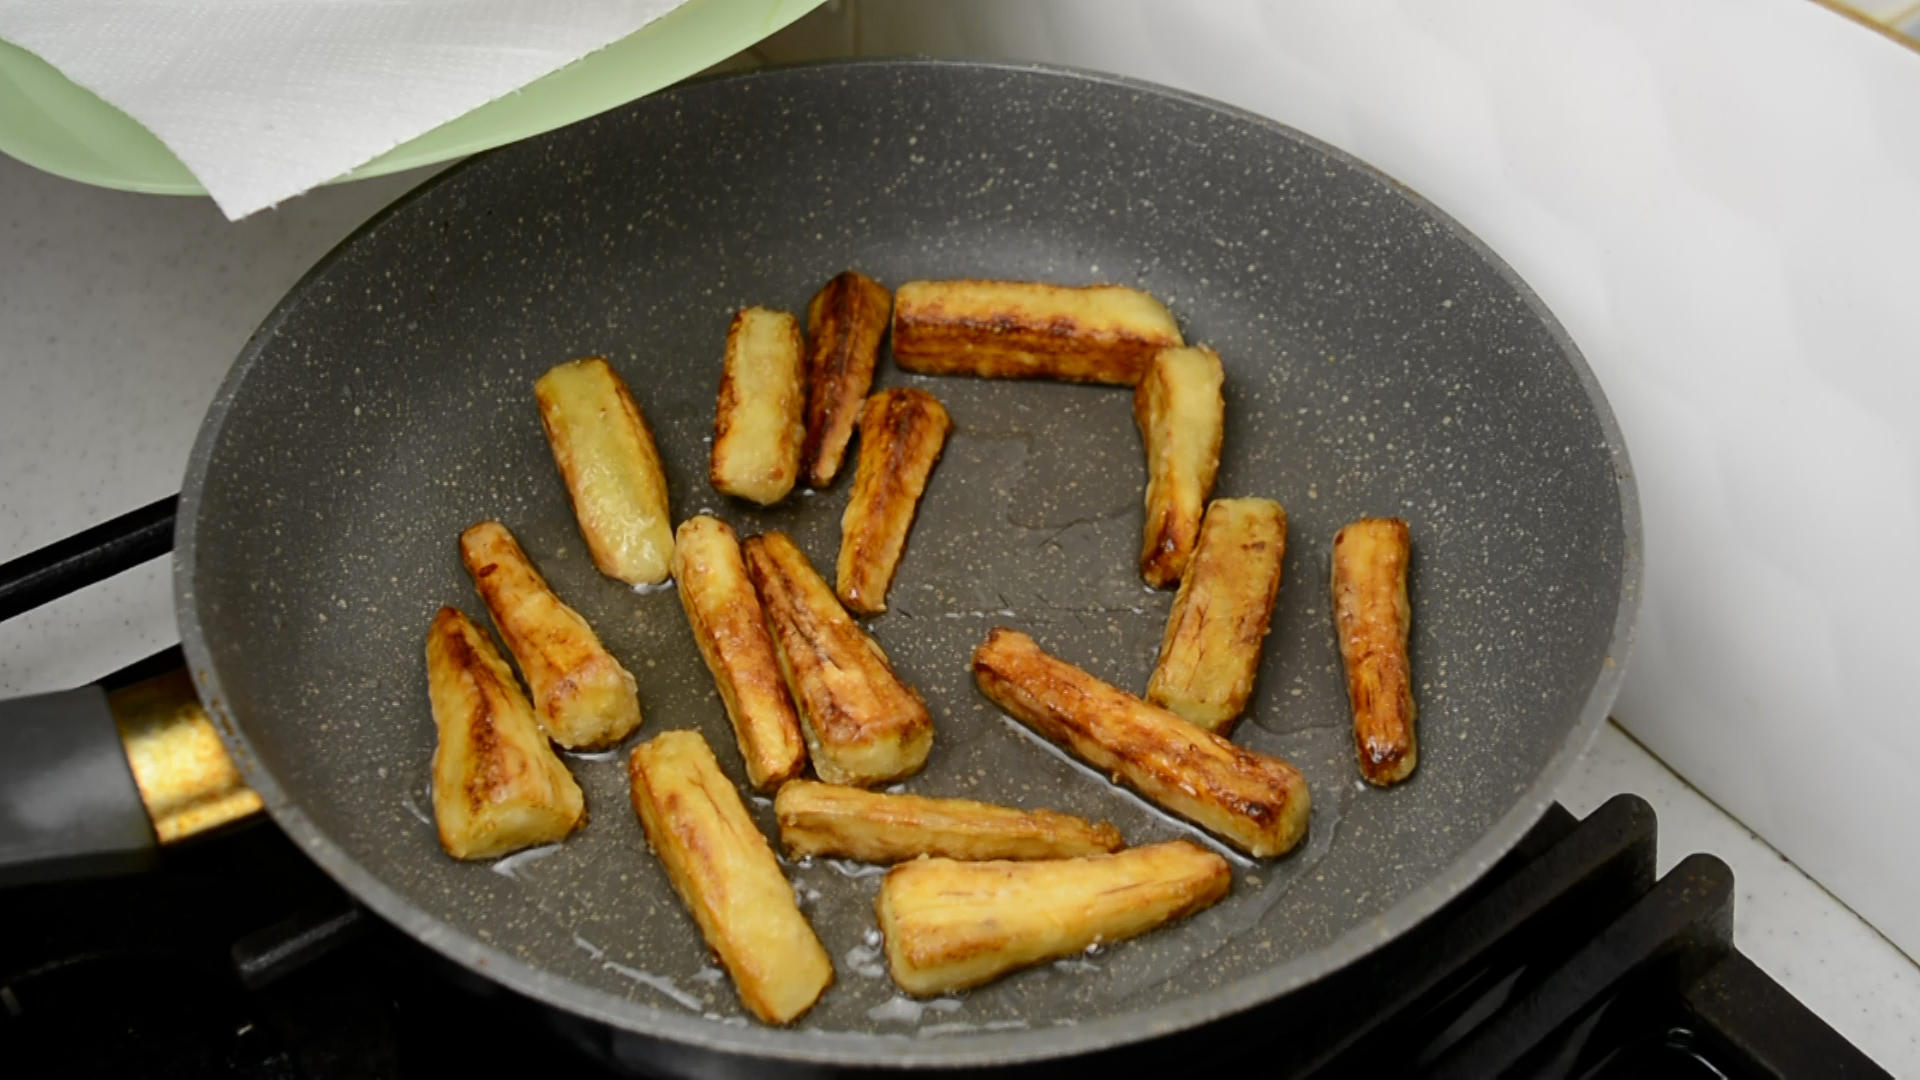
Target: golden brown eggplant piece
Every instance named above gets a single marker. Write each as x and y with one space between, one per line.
1211 652
901 435
1255 802
1181 417
605 452
1029 330
950 925
1373 618
848 823
760 420
582 697
845 322
727 875
863 724
731 630
497 786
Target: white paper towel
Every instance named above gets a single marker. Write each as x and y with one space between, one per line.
264 99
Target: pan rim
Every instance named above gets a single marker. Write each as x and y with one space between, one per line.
984 1049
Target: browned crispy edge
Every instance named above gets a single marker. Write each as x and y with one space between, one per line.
761 671
845 321
1373 619
930 341
486 582
934 951
811 632
1171 530
1191 613
895 818
902 433
457 634
1057 699
452 627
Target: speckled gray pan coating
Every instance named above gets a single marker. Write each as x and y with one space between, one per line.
1379 362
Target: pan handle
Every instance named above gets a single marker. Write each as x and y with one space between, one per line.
91 782
69 807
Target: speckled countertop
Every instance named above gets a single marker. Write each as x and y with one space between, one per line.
120 313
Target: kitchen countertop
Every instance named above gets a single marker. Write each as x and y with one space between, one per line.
119 314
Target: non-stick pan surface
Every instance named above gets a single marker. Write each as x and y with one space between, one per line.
1379 361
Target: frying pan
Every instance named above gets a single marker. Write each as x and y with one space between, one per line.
1379 360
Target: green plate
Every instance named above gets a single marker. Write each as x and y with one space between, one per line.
50 123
